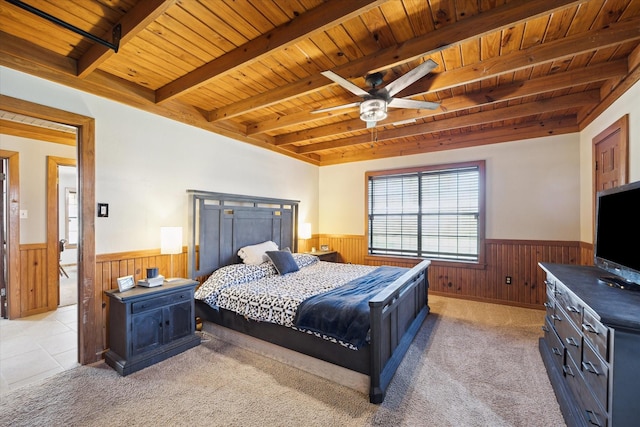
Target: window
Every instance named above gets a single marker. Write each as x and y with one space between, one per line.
71 213
430 212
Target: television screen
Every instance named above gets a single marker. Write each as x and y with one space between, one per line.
617 240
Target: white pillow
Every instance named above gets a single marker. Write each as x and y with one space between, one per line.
256 254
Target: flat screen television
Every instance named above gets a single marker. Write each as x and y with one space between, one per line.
617 239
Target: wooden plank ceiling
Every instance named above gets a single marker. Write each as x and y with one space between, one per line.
251 69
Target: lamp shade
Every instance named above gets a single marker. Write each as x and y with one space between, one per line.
305 230
170 240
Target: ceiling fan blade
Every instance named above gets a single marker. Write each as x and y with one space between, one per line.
410 103
345 83
411 77
337 107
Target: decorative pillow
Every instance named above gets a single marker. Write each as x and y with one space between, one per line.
283 261
304 260
255 254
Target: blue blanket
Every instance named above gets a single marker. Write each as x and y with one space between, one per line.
343 313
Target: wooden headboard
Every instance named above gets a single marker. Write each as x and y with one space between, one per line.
220 224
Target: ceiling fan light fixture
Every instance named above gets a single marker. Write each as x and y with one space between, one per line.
373 110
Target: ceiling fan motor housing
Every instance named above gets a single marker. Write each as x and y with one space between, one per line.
373 110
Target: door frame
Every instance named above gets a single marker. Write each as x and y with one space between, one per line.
619 126
13 232
89 306
53 235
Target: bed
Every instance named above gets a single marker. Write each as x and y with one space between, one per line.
221 224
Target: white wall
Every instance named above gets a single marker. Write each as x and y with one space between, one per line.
628 103
532 188
33 182
145 164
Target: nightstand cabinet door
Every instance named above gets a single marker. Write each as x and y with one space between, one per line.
178 321
147 325
146 331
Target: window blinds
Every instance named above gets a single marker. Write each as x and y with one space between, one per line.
428 214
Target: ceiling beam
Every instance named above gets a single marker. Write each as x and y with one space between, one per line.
24 130
528 130
550 83
435 41
499 114
136 20
567 47
318 19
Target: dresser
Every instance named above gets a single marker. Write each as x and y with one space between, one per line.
591 347
147 325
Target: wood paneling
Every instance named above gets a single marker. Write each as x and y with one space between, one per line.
34 292
517 259
251 70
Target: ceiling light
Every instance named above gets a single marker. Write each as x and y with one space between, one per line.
373 110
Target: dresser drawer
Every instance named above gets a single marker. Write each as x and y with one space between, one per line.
569 334
596 334
152 303
550 303
554 343
590 410
569 304
596 373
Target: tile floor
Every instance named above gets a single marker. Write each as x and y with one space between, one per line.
37 347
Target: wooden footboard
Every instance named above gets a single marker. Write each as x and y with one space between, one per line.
396 315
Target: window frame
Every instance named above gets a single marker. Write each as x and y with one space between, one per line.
68 217
480 164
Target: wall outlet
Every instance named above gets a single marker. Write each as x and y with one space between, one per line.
24 214
507 280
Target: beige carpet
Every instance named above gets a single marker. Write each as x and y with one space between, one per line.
472 364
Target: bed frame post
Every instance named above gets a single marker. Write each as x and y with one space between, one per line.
396 316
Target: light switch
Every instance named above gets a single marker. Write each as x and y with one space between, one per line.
24 214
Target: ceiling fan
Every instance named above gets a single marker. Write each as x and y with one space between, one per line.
374 107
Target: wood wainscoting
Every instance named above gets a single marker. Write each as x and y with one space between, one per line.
34 291
514 258
517 259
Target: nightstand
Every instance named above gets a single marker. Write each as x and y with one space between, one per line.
147 325
330 256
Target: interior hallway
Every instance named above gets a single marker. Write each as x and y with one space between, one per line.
40 346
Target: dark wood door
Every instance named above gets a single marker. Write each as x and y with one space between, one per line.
610 156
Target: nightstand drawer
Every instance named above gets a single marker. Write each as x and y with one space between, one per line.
152 303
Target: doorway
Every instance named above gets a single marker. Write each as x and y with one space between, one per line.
89 343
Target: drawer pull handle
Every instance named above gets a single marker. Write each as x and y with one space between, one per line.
567 370
572 341
590 367
589 328
572 309
548 283
593 419
546 304
544 328
556 351
556 317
